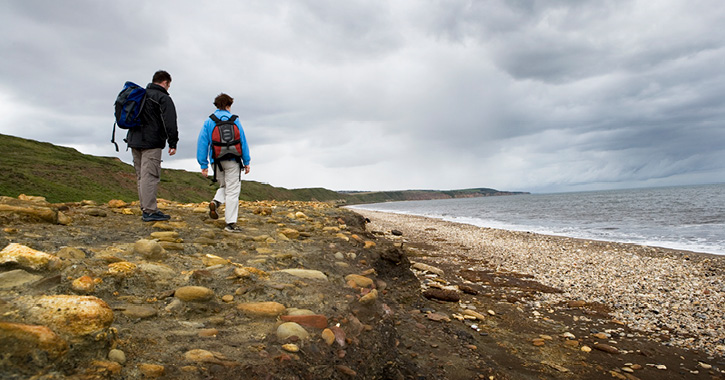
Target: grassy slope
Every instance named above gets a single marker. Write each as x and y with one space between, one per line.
65 175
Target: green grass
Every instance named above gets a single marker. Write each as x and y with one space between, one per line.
63 174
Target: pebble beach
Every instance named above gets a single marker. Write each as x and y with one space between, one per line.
676 296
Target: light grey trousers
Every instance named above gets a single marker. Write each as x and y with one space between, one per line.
147 163
230 185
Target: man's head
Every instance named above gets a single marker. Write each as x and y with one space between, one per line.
223 101
162 78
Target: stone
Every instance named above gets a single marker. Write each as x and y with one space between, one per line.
116 203
95 212
141 312
208 333
17 277
606 348
289 347
290 233
369 298
369 244
158 271
586 349
438 317
73 316
83 285
474 314
165 235
149 249
538 342
194 293
43 213
228 298
427 268
600 336
122 269
22 340
28 258
359 281
317 321
262 309
151 371
211 260
442 295
396 232
309 274
576 304
328 336
289 329
70 253
117 356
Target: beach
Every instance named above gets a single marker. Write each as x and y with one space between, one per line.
676 297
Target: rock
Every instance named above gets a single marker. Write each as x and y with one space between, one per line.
95 212
211 260
317 321
107 369
396 232
346 370
16 277
157 271
208 333
43 213
262 309
438 317
705 365
556 366
289 347
467 289
70 253
194 294
300 215
577 303
442 295
328 336
20 341
369 298
165 235
228 298
121 269
290 233
149 249
359 281
83 285
117 356
28 258
305 273
290 329
369 244
600 336
538 342
606 348
151 371
74 316
135 311
116 203
586 349
427 268
475 314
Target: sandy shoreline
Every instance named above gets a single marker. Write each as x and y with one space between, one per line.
677 295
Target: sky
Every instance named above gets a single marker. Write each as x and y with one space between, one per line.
539 96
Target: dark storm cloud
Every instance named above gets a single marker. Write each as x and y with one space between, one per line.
520 95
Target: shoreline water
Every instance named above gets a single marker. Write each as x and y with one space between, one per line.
677 295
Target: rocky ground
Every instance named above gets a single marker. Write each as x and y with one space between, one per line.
307 291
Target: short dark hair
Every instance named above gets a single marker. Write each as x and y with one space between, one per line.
222 101
161 76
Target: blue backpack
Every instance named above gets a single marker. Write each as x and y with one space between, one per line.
129 104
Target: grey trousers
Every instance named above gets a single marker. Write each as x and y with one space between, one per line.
147 163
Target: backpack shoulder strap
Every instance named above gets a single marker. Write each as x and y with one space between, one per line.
214 118
234 117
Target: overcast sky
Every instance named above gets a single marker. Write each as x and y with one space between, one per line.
540 96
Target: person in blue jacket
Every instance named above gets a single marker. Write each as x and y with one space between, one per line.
227 170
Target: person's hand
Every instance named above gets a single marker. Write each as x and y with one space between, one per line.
205 172
172 151
246 169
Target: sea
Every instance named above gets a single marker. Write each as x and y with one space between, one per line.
689 218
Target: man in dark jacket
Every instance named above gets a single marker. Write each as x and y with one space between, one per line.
158 125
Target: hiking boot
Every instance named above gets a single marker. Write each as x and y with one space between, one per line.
232 228
213 205
156 216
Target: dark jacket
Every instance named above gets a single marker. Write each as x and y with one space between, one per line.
158 121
